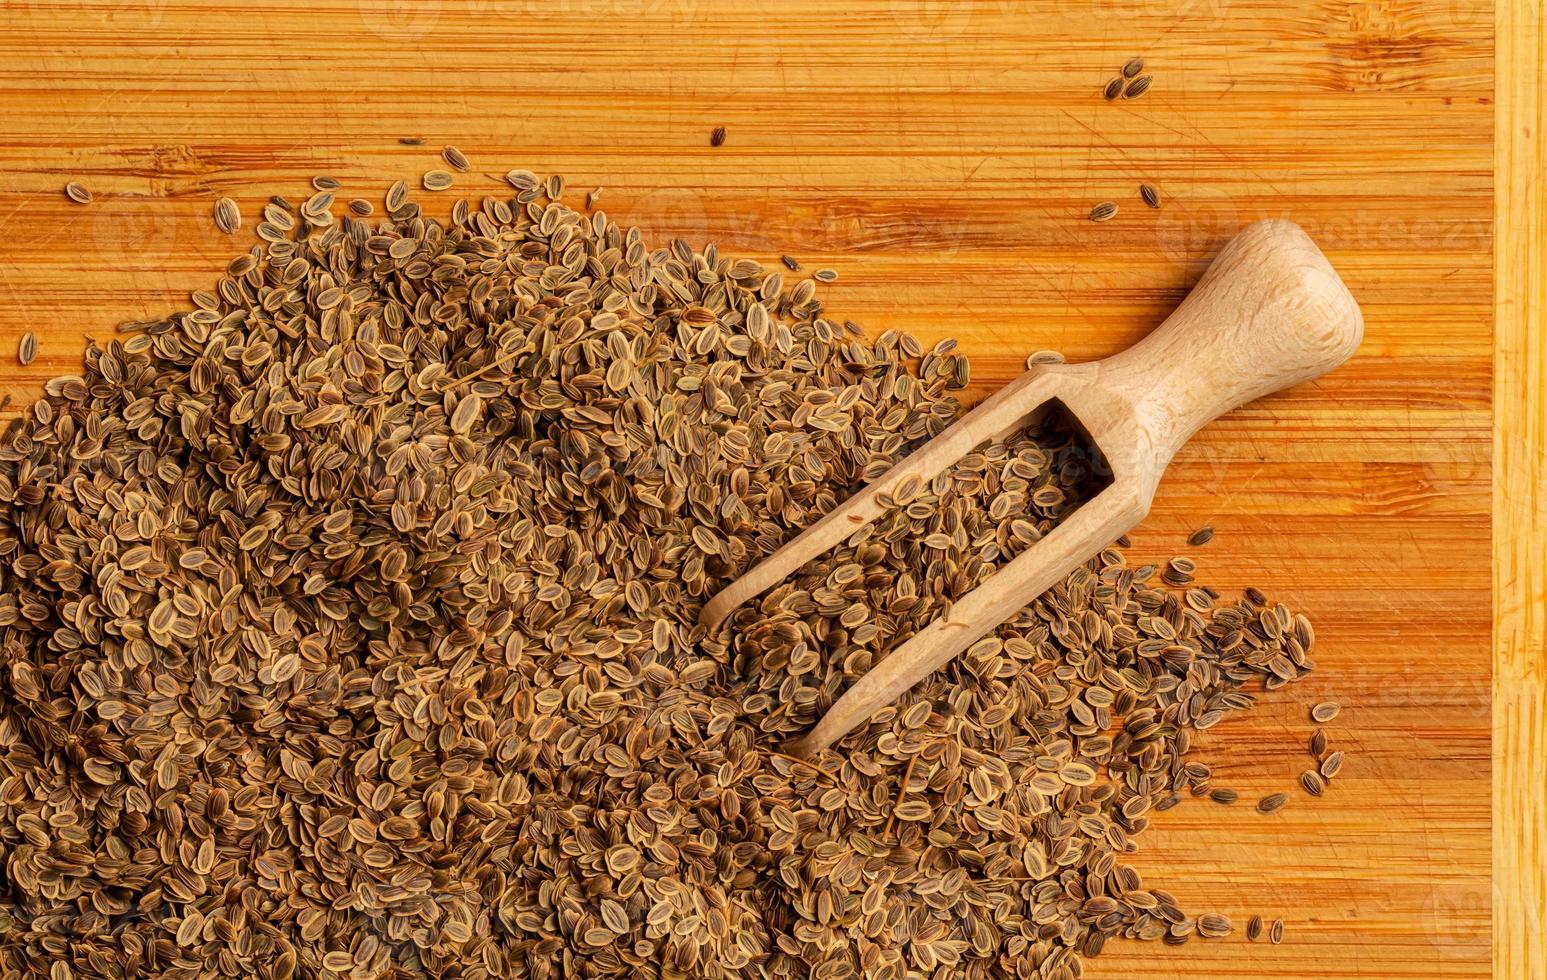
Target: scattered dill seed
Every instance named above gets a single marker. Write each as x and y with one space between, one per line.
436 180
1276 932
1332 765
323 182
825 275
27 349
790 263
717 138
1138 86
1103 211
455 158
1253 928
77 192
397 196
1326 711
1133 67
1272 803
1112 89
1201 537
1151 196
228 217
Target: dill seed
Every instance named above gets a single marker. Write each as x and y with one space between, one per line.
1138 86
1223 795
360 207
1150 195
1179 572
1332 765
455 159
436 180
717 137
411 140
394 660
397 196
825 275
1201 537
790 263
1276 932
77 192
322 182
521 180
1272 803
1103 211
1133 67
1325 711
1312 782
1318 743
27 349
1112 89
1253 928
228 217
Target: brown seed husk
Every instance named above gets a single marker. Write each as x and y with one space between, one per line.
228 217
1332 765
1138 86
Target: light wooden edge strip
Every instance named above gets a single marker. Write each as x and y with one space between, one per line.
1520 494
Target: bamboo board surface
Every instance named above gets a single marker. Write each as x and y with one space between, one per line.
942 156
1520 480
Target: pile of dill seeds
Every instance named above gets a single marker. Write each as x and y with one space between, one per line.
347 620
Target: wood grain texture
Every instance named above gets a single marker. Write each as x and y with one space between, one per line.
942 157
1520 497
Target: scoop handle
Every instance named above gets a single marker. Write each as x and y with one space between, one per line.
1270 312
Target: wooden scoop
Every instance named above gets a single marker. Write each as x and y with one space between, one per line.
1270 312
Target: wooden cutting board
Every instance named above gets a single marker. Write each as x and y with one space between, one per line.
942 156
